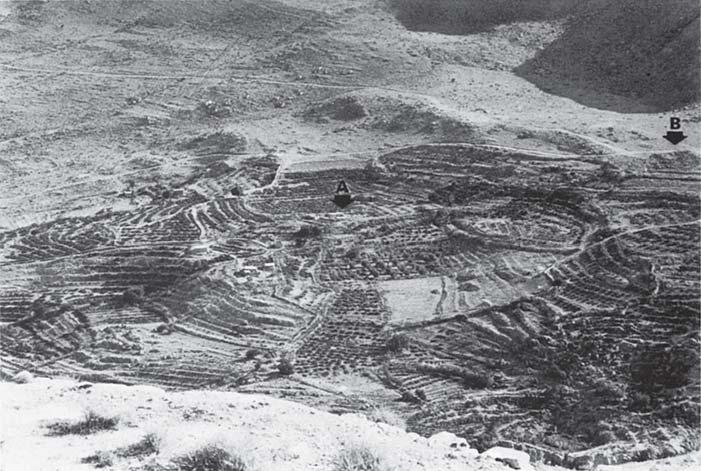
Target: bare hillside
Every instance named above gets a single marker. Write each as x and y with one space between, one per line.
469 16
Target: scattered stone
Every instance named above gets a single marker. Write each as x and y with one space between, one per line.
23 377
513 458
512 463
447 440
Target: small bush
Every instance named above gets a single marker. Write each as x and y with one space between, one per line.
286 365
165 329
148 445
358 459
603 437
101 459
90 423
410 397
308 231
252 353
348 109
639 402
397 343
609 390
211 458
130 297
386 416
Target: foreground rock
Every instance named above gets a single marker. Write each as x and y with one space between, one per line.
513 458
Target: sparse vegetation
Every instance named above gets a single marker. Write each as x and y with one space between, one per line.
148 445
211 458
220 141
286 364
308 231
385 416
252 353
90 423
410 397
345 108
348 109
100 459
359 458
130 297
397 343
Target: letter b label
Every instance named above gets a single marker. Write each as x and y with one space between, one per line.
675 123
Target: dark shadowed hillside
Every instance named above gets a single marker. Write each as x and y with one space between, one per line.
646 50
630 56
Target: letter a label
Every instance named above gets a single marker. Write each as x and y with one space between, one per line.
342 188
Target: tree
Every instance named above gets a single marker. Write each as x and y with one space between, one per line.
397 343
286 364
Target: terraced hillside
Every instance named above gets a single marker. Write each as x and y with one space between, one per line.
561 283
515 267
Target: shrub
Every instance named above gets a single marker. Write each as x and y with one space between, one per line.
348 109
410 397
130 297
663 368
477 381
386 416
148 445
604 437
211 458
308 231
358 458
609 390
252 353
90 423
397 342
165 329
639 402
101 459
286 365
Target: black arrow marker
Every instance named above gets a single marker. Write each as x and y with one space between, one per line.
675 137
342 200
